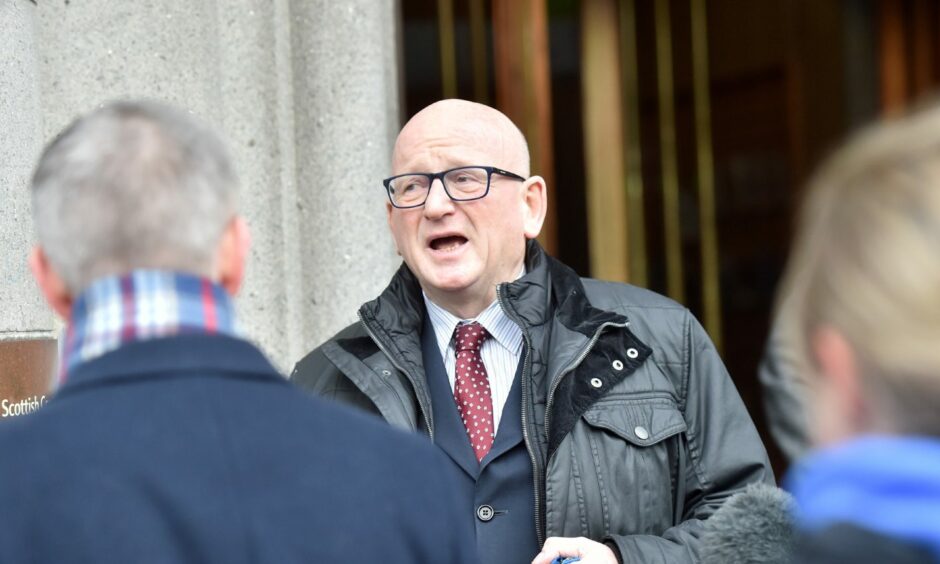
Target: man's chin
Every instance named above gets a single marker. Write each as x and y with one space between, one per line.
450 286
448 283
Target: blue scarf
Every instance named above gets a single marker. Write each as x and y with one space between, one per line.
889 485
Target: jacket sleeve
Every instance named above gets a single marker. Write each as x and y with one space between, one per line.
317 375
314 373
723 454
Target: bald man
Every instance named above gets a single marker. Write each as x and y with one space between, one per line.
582 418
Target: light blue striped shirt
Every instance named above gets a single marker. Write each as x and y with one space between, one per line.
500 353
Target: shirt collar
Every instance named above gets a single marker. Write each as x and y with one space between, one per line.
143 304
503 329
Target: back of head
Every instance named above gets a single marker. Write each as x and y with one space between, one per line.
132 185
866 262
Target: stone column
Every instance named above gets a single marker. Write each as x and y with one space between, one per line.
23 314
27 344
346 119
306 95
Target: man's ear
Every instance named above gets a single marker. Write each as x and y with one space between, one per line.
52 285
535 201
841 407
233 255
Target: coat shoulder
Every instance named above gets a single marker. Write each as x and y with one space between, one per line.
624 298
659 321
352 338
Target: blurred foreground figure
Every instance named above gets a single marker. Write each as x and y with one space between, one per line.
863 291
171 439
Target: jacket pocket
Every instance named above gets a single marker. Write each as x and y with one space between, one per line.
624 458
642 422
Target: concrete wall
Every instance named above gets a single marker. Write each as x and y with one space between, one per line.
22 312
306 93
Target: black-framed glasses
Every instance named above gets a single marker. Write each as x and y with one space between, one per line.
461 184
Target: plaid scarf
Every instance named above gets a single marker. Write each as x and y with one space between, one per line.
141 305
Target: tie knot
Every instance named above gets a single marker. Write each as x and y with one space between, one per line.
470 336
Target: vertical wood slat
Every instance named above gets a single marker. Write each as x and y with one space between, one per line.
603 140
523 88
922 51
892 59
507 59
636 219
668 152
481 85
711 289
448 49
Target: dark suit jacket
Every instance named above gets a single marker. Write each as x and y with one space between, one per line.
193 449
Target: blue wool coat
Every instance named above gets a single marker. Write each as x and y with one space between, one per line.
194 449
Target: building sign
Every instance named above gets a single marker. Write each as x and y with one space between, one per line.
26 375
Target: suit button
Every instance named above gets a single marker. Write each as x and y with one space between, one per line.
485 513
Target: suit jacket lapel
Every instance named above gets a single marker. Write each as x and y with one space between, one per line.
509 433
449 433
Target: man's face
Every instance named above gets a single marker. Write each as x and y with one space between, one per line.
460 251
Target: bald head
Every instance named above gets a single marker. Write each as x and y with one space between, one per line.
461 250
477 130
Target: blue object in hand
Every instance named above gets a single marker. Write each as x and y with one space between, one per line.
565 560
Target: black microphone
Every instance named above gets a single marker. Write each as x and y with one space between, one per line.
753 526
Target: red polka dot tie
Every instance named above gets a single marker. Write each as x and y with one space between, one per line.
472 388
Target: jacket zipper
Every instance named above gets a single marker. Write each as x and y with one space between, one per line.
526 370
574 364
400 368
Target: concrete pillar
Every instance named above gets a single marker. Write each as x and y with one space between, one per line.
305 93
346 118
27 348
23 313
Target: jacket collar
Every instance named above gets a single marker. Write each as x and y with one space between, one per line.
549 302
172 355
548 289
555 291
139 305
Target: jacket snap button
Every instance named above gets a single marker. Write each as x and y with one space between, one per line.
386 373
485 513
596 382
632 352
641 432
617 364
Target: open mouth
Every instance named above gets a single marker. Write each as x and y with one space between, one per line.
448 243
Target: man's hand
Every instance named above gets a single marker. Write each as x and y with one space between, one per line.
589 551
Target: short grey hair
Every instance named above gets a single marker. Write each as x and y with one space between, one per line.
134 184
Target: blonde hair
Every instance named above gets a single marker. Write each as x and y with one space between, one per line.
866 262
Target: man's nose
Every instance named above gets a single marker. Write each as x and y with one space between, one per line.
438 203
